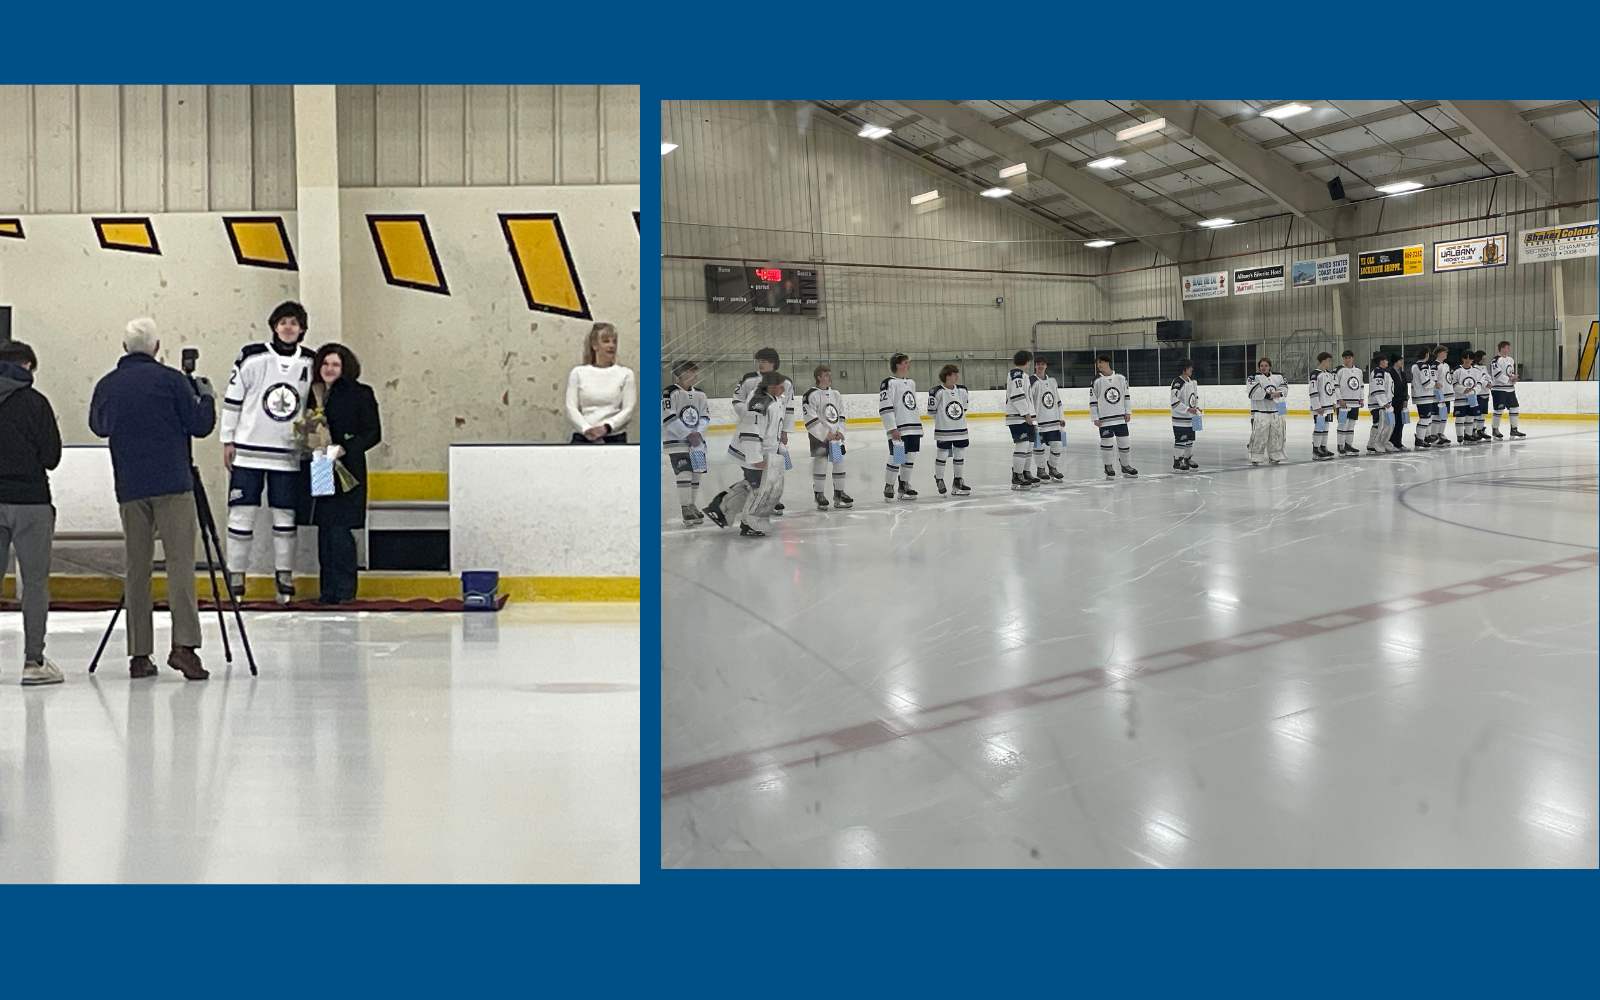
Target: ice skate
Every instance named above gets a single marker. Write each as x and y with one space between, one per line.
1016 482
285 582
236 585
1128 470
690 515
906 491
822 501
1517 434
713 510
1111 473
960 488
888 492
745 531
1029 481
841 499
940 483
777 510
1498 436
1057 477
1190 464
1178 466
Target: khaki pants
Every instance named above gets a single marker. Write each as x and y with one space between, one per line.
173 517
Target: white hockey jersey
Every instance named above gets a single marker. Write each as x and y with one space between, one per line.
1380 388
1501 373
1185 394
1045 396
823 412
1265 391
1351 385
683 412
949 410
759 427
897 406
1422 382
1322 390
1109 401
750 385
267 393
1465 380
1444 379
1019 404
1483 380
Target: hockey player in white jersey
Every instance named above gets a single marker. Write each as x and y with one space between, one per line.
766 360
684 418
1323 392
1503 381
1111 409
1422 393
1444 390
267 393
1021 420
1047 416
752 498
1480 406
947 404
1351 398
822 408
1380 400
1267 390
902 421
1185 407
1465 382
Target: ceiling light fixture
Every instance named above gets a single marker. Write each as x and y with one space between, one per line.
1014 170
996 192
1107 162
1216 223
870 131
1286 110
925 197
1145 129
1399 187
1098 244
667 147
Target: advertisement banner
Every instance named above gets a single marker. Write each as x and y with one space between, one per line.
1251 280
1205 286
1399 262
1578 239
1464 255
1323 271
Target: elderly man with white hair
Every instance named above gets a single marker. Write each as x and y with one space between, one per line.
150 412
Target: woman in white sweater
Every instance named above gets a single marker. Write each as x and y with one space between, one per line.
601 394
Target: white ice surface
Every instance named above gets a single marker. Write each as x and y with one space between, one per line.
404 747
836 694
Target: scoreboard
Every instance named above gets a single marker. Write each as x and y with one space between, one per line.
785 290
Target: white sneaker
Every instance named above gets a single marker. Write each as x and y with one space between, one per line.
41 673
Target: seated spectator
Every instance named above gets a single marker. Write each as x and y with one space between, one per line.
30 446
601 394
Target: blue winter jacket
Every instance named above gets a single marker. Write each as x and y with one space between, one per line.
149 412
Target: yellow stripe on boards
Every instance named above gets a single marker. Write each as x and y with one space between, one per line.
372 586
398 487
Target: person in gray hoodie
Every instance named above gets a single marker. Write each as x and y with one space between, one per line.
30 446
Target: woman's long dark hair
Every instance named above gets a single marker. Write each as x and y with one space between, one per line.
350 366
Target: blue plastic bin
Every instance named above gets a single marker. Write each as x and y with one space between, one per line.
480 589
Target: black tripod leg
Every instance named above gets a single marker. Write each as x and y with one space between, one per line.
105 638
208 526
216 596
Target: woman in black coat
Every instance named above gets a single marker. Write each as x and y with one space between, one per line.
352 413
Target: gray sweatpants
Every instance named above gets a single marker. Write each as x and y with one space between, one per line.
173 515
29 529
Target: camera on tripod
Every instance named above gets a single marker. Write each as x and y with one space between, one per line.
190 356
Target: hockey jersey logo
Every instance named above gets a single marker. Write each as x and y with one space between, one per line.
281 402
1113 395
690 416
1048 400
830 413
1468 383
953 410
908 399
1353 382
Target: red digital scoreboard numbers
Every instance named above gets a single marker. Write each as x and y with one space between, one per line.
769 273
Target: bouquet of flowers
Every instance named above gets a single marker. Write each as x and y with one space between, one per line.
311 430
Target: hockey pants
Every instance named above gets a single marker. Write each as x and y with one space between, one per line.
1266 437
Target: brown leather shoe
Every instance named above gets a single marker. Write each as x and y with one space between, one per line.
140 666
184 660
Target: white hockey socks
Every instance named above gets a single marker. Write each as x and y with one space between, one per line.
819 474
283 537
1124 452
241 537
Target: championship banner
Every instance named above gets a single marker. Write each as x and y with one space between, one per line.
1322 271
1251 280
1205 286
1464 255
1558 242
1399 262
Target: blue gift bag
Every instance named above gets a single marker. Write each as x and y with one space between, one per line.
1196 424
787 464
1405 418
1283 407
1472 399
697 459
321 475
898 450
1320 422
1388 416
1438 395
835 451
